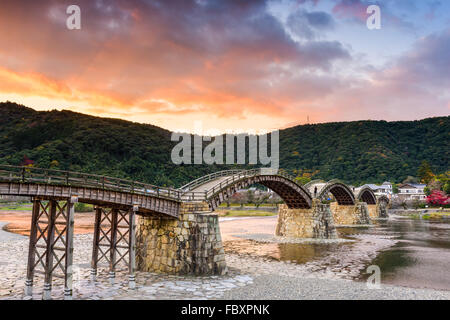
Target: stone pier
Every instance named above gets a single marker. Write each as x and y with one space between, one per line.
191 244
383 206
350 214
374 211
316 222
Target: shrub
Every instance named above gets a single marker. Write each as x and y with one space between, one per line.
83 207
438 199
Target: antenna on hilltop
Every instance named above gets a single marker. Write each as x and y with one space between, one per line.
307 119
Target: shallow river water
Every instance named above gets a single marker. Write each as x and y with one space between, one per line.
410 252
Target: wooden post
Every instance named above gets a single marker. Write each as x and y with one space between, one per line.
97 226
49 251
32 248
68 276
112 259
132 248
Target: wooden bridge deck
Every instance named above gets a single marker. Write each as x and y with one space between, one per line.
147 204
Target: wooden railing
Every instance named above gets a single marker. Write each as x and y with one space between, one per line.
213 176
234 177
20 174
10 173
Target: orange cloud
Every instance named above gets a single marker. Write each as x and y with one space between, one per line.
228 64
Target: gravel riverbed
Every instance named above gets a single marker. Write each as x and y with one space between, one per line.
249 277
275 287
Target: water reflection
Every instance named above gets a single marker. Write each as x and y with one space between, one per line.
303 253
421 258
409 252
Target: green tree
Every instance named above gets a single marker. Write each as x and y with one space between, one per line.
303 180
250 196
424 172
446 188
411 179
395 188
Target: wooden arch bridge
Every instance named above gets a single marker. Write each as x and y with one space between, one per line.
117 202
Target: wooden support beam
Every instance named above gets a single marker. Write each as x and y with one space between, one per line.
47 295
96 244
132 247
113 252
68 274
32 248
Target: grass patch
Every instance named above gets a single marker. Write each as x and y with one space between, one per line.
83 207
431 216
246 213
16 207
235 205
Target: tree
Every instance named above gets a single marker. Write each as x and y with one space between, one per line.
438 198
444 180
434 185
54 164
27 162
411 179
424 172
260 198
446 188
239 198
275 199
395 188
250 196
302 180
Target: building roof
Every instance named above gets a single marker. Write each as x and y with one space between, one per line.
372 186
413 185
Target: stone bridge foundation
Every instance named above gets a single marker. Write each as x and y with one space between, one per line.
316 222
191 244
383 207
374 211
351 214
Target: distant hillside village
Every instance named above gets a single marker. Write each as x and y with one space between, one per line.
406 191
426 190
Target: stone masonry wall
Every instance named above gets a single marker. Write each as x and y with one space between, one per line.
191 244
383 210
316 222
350 215
374 211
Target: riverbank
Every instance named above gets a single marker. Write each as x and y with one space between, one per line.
249 277
19 221
258 269
6 235
274 287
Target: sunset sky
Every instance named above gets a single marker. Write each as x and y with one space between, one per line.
233 65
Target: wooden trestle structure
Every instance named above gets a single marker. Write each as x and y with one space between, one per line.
117 201
51 243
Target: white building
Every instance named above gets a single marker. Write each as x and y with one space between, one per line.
384 190
412 191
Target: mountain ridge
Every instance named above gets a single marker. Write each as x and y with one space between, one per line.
356 152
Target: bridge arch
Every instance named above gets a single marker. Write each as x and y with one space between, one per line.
367 195
220 188
294 195
341 192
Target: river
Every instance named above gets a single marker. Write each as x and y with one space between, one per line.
409 252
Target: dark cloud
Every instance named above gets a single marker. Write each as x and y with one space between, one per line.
310 25
427 65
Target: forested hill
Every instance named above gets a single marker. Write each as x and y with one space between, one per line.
356 152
